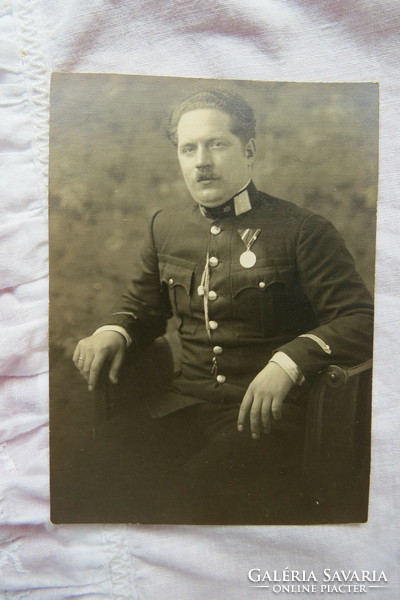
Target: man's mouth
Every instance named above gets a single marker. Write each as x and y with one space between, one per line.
205 178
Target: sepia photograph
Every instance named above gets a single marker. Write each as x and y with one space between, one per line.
212 252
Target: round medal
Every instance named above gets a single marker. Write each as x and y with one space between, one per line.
248 259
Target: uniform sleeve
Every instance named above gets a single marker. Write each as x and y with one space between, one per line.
341 303
144 308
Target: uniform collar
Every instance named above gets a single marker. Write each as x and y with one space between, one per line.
240 203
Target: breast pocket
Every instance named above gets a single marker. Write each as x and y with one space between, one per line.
262 299
177 276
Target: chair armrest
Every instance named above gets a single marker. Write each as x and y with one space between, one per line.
336 376
337 435
142 373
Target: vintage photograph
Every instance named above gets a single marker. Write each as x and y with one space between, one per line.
212 248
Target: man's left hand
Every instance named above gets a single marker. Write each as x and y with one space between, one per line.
264 398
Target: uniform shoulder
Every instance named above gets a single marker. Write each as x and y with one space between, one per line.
289 210
175 211
173 220
291 217
286 207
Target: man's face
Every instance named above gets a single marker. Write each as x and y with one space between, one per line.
215 163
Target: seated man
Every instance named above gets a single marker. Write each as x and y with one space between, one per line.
265 294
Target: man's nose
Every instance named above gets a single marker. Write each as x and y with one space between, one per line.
203 157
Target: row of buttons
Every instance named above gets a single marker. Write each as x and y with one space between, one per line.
212 295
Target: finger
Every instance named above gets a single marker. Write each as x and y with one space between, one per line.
81 361
76 355
95 370
255 417
244 409
87 363
116 365
266 415
276 408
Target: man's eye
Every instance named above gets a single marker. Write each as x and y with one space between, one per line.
187 149
217 144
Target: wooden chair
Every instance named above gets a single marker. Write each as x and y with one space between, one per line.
335 472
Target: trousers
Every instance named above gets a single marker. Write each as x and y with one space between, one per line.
194 467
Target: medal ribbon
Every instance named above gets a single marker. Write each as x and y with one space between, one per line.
248 236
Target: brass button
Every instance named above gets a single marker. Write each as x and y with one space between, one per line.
217 350
213 261
221 378
213 324
170 281
215 229
261 285
212 295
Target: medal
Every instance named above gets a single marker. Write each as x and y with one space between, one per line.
248 236
248 259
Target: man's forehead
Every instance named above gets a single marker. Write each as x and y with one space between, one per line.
204 120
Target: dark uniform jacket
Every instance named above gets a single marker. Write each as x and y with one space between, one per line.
303 282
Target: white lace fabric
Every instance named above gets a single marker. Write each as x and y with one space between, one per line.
294 40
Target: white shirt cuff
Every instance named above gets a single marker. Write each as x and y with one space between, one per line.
118 329
290 367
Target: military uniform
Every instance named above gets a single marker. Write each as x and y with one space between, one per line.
302 296
248 279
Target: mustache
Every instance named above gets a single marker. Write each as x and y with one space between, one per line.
206 176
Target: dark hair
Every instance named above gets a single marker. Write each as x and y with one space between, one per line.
243 120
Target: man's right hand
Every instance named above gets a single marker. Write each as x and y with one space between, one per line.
92 352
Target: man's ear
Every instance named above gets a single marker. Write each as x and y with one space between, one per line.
250 148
